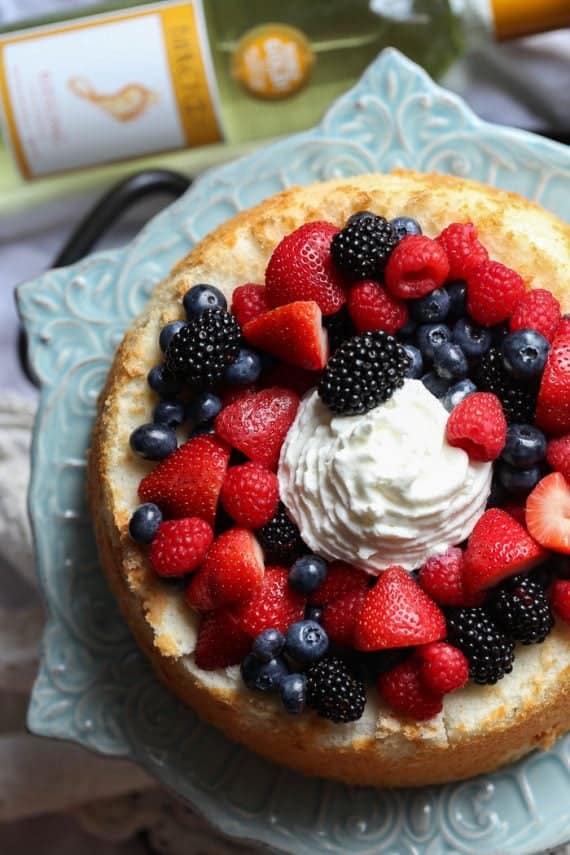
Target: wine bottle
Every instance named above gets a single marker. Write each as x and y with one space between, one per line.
135 79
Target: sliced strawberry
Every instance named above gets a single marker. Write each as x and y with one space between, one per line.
257 424
498 547
548 513
188 482
397 613
301 268
294 333
341 615
553 405
233 568
441 577
275 605
221 642
340 579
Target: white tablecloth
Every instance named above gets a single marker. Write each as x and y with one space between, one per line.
527 84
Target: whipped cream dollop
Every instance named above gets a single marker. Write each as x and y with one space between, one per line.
380 488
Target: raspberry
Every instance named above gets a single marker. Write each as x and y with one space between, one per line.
250 494
478 426
538 310
372 308
180 546
558 455
403 689
464 251
441 577
564 326
443 668
249 302
560 598
416 267
493 292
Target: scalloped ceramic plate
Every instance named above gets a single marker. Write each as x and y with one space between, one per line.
94 687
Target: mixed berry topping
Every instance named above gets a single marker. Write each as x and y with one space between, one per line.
356 313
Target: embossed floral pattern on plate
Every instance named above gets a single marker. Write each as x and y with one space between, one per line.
94 687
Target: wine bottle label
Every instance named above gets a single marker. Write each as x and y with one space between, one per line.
273 60
108 87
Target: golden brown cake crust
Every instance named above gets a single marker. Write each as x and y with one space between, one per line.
481 727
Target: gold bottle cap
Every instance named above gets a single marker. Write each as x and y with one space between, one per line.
513 18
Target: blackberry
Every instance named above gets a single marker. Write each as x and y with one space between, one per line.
280 538
489 651
364 372
200 351
339 327
362 248
518 397
334 692
521 609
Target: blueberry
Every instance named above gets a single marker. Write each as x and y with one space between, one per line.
430 337
525 446
161 381
263 676
404 226
306 641
518 480
457 292
450 362
431 308
144 522
169 413
268 644
245 368
202 297
307 573
153 442
203 408
456 393
524 354
416 368
436 385
408 331
168 332
314 613
472 339
294 693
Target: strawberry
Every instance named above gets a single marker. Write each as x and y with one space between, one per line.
250 494
341 615
221 642
257 424
294 333
560 598
416 267
538 310
553 405
275 605
498 547
493 292
558 455
371 307
188 482
231 573
443 668
548 513
403 689
301 268
248 302
441 577
478 425
180 546
340 579
397 613
463 249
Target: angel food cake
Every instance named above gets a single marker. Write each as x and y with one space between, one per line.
330 478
